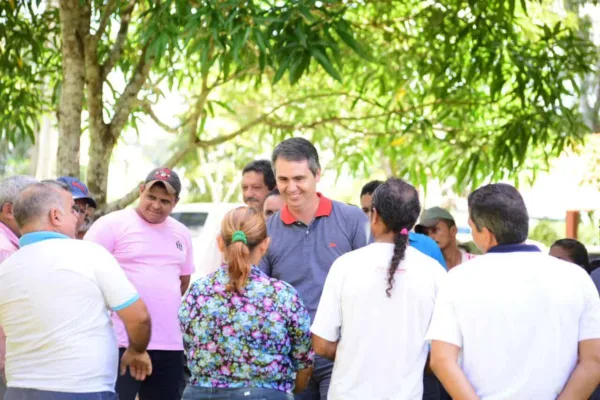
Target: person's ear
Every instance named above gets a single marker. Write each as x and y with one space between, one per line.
489 238
7 209
142 188
318 175
375 218
221 243
55 216
453 230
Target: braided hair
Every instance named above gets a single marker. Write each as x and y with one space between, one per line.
397 204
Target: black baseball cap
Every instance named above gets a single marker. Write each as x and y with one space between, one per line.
167 176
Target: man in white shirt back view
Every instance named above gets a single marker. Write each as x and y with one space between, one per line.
55 294
524 325
376 306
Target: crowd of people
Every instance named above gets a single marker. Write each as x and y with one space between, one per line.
316 299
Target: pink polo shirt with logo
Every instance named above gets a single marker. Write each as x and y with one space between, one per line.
153 257
9 243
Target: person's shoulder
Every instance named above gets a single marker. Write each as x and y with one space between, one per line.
348 211
423 261
114 219
88 249
178 226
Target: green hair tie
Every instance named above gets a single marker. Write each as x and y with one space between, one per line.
239 236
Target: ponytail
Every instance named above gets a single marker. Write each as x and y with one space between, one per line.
242 230
400 244
239 266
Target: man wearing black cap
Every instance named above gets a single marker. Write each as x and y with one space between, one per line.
84 200
156 253
439 224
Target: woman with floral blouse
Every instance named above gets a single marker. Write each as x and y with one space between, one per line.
246 336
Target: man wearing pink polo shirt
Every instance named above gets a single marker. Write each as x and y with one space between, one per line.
155 251
9 240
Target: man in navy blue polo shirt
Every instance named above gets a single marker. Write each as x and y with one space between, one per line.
307 235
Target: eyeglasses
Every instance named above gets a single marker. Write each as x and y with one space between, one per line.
77 209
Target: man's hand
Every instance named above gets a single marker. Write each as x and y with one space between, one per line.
139 364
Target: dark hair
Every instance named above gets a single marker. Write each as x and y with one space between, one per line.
370 187
262 167
500 208
298 149
577 252
237 254
274 192
397 204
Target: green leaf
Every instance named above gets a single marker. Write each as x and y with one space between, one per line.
322 59
281 70
352 43
225 106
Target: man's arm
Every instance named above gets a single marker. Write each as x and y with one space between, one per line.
586 375
324 347
137 323
185 283
444 363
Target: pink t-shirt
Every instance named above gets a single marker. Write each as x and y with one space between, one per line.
9 243
153 257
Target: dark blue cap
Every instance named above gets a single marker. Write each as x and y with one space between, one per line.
78 189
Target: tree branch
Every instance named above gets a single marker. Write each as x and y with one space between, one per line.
220 82
147 107
128 99
109 8
117 49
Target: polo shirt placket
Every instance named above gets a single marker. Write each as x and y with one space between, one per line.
302 254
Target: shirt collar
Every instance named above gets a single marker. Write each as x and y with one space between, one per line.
324 210
34 237
10 235
514 248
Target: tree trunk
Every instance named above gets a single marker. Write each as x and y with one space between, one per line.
102 144
71 97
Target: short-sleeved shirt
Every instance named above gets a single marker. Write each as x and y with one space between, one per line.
257 338
382 350
427 246
302 254
55 297
153 256
516 309
9 243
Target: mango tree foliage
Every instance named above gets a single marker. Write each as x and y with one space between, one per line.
468 90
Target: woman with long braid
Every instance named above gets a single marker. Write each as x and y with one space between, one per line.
376 306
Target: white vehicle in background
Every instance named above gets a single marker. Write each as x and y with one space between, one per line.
204 222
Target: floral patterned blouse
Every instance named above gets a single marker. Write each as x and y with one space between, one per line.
259 338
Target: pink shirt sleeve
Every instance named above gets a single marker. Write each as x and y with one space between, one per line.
102 232
188 267
2 349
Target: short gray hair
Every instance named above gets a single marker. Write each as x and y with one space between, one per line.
36 201
12 186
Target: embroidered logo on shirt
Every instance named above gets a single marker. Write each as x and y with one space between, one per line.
332 245
179 245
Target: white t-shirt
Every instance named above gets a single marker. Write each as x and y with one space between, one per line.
55 296
382 351
518 318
